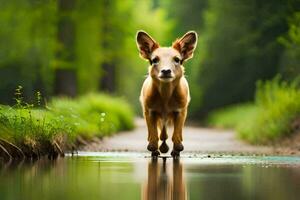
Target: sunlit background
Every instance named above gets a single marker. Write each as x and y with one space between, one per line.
70 77
68 47
247 58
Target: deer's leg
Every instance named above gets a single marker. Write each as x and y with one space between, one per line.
152 120
163 137
178 121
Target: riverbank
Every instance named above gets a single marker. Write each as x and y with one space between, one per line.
32 130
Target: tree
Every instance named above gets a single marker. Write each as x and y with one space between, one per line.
239 47
65 74
27 43
290 62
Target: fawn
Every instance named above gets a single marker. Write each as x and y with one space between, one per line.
165 93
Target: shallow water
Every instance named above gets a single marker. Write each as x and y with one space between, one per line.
136 176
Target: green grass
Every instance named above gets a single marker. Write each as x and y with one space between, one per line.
270 117
232 116
18 123
94 114
37 130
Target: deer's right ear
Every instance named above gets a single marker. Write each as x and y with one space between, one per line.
146 44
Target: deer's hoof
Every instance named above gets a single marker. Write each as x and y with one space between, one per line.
175 154
178 147
155 154
164 147
152 147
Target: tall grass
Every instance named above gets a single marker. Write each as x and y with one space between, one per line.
278 104
94 114
232 116
275 110
38 130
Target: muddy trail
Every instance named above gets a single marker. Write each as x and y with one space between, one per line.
196 140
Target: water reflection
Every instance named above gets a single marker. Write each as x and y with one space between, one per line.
96 177
165 181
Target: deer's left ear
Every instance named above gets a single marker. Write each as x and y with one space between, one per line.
146 44
186 45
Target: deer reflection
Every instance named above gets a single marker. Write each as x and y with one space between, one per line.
165 181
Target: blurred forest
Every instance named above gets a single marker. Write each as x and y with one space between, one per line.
72 47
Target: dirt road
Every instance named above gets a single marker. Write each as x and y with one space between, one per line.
196 140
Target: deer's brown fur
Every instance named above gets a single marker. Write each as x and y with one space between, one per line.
165 93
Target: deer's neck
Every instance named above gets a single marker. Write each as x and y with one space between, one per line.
166 90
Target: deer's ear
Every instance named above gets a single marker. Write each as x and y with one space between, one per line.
146 44
186 44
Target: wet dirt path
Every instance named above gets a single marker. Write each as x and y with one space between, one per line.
196 140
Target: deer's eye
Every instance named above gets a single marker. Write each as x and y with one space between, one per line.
155 61
176 60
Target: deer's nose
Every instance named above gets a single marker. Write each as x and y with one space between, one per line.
166 72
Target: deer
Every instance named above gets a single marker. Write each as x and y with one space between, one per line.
165 94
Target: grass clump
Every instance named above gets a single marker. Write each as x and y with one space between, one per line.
232 116
35 131
94 114
32 130
273 115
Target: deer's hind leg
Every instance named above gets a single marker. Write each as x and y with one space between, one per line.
163 137
152 122
178 120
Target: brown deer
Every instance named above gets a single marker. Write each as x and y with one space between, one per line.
165 93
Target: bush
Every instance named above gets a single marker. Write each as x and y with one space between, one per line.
278 107
272 116
94 114
39 131
230 117
26 125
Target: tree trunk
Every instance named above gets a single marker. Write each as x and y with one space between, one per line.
65 76
107 80
108 77
65 82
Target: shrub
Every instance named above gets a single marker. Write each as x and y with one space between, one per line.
34 131
94 114
276 108
230 116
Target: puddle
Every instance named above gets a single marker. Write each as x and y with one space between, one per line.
115 175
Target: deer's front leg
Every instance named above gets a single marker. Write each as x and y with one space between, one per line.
152 120
178 120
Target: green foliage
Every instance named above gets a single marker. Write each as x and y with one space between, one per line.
102 37
27 44
30 127
63 120
232 116
238 48
240 42
276 109
88 23
279 107
94 114
290 63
